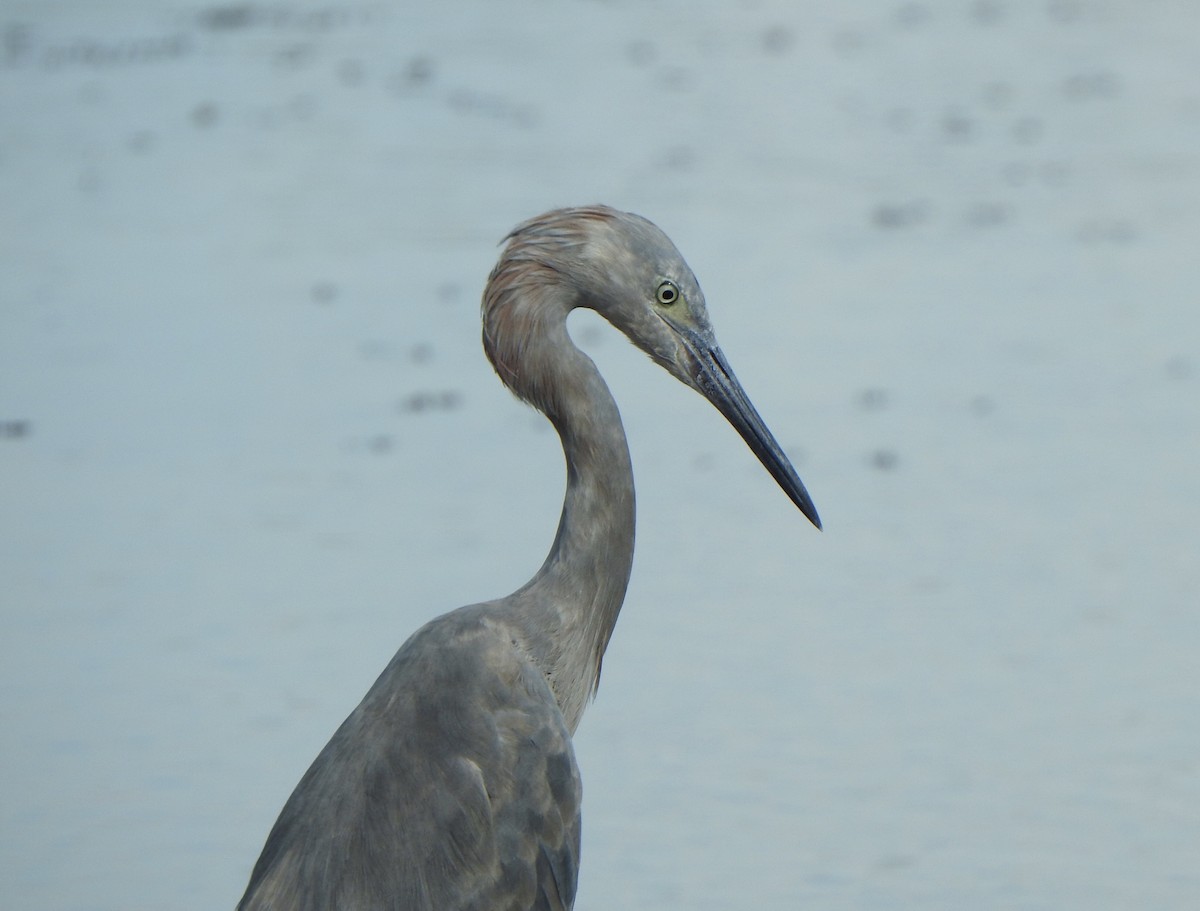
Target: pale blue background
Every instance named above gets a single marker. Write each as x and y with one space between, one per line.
248 441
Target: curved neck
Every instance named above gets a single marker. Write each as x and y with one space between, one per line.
565 614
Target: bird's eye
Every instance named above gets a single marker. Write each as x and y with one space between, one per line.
667 293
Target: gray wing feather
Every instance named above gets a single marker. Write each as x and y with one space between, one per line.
451 787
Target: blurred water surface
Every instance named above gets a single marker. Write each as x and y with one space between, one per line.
248 440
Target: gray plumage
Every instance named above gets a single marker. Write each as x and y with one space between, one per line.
453 785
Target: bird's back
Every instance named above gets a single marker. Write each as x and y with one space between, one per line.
452 786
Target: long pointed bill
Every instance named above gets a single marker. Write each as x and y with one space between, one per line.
716 380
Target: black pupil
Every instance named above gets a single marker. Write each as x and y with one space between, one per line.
666 294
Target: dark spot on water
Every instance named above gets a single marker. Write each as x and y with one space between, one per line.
427 400
91 93
268 118
94 54
873 399
591 336
1054 173
927 585
891 862
415 74
982 405
641 53
15 429
676 79
1063 12
419 70
323 292
496 107
884 460
1016 173
898 215
421 353
911 15
68 747
987 12
1091 86
227 18
380 444
204 115
957 126
350 72
997 95
328 18
679 158
296 56
374 350
141 142
778 39
796 455
303 106
1028 130
15 43
987 215
312 18
1107 231
900 119
848 41
1179 368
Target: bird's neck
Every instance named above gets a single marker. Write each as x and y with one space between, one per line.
567 612
587 569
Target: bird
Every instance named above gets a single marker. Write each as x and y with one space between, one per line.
453 785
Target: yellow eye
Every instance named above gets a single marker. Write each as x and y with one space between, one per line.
667 293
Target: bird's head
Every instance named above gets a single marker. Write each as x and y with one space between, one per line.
627 270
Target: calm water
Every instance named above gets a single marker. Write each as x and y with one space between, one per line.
248 441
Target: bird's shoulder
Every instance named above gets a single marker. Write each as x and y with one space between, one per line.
454 781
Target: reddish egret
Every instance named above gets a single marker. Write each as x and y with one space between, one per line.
453 784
